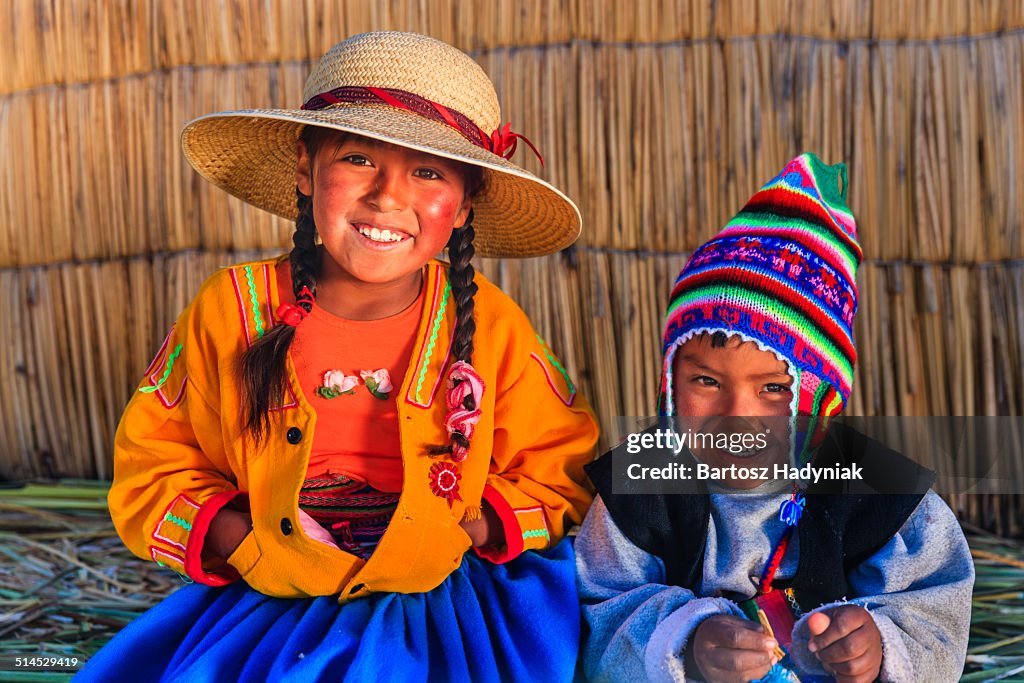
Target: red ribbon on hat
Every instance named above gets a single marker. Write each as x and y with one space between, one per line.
291 314
503 141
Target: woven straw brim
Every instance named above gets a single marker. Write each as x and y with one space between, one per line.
251 154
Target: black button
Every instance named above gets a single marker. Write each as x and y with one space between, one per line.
294 435
358 587
286 526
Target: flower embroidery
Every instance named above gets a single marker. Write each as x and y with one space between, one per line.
378 382
444 481
465 388
337 383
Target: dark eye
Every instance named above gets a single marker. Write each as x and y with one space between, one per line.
427 174
776 388
705 381
357 159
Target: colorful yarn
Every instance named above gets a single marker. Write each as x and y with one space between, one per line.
781 273
793 509
355 513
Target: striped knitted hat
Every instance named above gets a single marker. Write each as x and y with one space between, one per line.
781 274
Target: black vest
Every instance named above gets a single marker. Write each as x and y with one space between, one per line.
844 522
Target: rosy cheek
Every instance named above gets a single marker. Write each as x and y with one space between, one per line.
441 207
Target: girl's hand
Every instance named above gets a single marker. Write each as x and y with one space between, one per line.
227 530
847 643
729 649
314 530
487 530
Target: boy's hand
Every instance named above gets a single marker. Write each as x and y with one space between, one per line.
847 643
728 649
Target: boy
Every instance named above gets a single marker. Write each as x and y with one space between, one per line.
708 586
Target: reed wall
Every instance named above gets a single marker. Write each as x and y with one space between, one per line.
660 118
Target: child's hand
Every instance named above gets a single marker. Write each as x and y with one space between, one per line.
314 530
847 643
486 529
728 649
227 530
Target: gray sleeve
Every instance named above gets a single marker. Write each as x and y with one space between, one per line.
917 589
637 626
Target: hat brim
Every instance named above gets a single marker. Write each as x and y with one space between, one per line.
251 154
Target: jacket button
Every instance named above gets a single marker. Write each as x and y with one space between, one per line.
286 526
294 435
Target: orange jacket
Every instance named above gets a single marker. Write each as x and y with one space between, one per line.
180 453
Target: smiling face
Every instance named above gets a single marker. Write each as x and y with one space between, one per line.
382 211
736 388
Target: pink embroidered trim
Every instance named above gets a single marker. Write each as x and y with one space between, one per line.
163 520
551 382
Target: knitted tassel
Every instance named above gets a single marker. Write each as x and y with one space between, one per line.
472 514
791 510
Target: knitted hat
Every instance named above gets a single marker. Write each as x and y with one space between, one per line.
781 274
406 89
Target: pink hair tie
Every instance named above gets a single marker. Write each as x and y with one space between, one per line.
463 383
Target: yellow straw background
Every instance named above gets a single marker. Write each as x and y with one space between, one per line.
659 118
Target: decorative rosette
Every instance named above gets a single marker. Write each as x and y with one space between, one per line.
465 388
444 481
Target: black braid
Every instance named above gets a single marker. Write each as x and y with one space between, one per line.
264 364
303 259
460 275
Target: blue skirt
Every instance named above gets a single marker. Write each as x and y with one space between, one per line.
516 621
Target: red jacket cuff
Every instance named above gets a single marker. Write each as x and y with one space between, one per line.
513 546
194 552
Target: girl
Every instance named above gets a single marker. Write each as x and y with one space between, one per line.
322 436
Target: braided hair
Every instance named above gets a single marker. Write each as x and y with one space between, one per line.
264 364
460 277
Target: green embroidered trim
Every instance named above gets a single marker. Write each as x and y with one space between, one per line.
433 339
167 371
179 521
257 319
558 366
536 533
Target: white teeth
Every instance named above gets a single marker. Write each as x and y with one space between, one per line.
380 235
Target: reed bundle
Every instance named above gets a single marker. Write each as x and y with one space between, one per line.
68 584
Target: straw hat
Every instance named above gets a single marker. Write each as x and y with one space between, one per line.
402 88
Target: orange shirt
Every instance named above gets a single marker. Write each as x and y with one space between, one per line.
356 434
